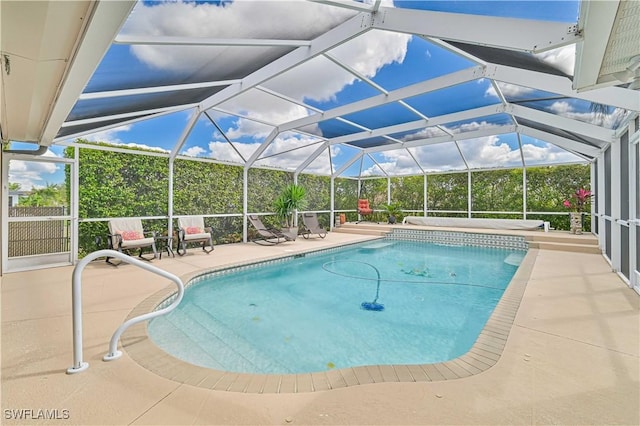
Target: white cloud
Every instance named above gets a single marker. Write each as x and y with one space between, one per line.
112 137
194 151
426 133
223 151
108 135
34 174
486 152
281 153
239 19
562 58
243 127
366 54
608 120
561 107
509 90
489 152
546 154
475 126
279 20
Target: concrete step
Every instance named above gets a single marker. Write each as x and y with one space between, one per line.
586 239
360 231
363 228
572 247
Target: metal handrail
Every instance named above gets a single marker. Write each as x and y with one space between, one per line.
78 363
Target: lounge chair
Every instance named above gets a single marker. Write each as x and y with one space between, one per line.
267 235
127 234
311 226
364 210
192 230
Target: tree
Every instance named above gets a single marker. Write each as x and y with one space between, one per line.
52 195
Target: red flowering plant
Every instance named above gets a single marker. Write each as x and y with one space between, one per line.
578 200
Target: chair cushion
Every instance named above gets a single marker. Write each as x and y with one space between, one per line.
131 235
194 230
200 236
144 242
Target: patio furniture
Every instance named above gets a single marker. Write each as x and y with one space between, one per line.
191 229
364 210
164 242
311 226
128 234
267 235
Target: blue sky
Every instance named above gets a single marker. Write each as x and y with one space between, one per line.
399 60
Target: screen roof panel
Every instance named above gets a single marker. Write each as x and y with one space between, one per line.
382 116
501 151
332 86
540 153
439 157
565 10
397 162
336 70
453 99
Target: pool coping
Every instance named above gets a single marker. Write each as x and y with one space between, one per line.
485 352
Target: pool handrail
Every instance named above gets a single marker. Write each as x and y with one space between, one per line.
78 363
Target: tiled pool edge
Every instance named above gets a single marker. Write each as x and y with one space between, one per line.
485 353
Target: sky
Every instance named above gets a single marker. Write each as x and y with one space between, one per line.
390 60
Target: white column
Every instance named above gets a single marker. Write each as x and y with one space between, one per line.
616 237
170 198
601 203
245 174
425 204
469 203
75 204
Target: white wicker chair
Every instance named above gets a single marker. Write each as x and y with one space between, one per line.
191 229
127 234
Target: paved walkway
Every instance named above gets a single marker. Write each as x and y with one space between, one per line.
572 356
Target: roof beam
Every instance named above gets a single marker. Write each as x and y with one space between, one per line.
101 27
152 40
125 115
448 80
596 22
332 38
185 132
311 158
481 133
559 141
564 123
348 4
503 33
348 164
614 96
144 117
156 89
419 124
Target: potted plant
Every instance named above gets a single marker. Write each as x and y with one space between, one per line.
292 198
394 212
577 203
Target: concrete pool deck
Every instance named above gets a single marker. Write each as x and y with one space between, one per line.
571 357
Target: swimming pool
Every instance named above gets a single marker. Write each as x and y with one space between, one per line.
304 314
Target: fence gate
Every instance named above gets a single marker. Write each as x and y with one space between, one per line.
37 211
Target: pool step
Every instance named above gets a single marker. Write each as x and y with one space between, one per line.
190 332
363 228
585 243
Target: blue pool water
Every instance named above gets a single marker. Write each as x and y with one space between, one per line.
305 315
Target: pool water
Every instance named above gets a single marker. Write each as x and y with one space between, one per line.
305 315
